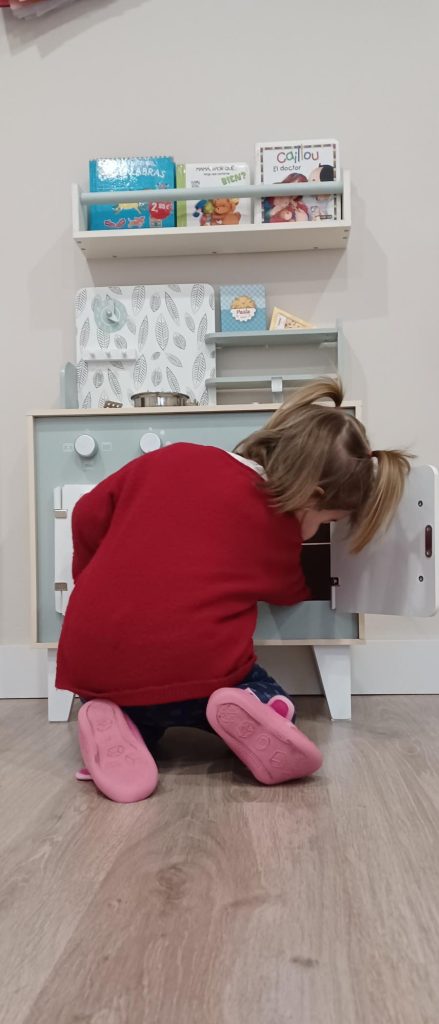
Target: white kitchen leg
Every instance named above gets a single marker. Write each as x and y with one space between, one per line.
59 701
334 666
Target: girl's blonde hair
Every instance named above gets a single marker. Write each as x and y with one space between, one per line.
320 457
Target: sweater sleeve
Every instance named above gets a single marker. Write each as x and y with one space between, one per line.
287 585
91 519
293 589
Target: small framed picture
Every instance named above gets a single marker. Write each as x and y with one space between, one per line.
283 321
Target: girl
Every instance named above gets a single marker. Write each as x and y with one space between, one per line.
172 555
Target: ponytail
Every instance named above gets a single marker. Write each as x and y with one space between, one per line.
327 389
392 469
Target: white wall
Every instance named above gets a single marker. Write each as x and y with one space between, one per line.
205 82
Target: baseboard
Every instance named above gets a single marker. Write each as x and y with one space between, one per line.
394 667
410 666
23 672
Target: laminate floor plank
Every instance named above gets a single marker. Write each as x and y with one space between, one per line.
219 901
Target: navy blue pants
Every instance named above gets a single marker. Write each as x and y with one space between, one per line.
153 721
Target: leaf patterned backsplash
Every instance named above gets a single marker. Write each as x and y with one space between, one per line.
143 338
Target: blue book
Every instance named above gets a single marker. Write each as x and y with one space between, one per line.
111 174
243 307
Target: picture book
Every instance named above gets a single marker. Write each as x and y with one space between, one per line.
243 307
283 321
212 212
111 174
296 162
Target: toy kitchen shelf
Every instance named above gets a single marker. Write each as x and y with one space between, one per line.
274 382
318 351
311 336
218 240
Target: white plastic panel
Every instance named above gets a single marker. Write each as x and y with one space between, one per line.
394 575
64 500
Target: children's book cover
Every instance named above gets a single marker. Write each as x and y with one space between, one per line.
304 161
243 307
212 212
123 174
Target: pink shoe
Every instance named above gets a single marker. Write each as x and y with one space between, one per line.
114 753
272 748
281 705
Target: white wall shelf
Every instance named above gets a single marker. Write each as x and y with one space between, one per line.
223 240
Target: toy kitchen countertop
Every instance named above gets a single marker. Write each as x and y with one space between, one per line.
71 450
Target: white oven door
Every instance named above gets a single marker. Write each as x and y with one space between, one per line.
397 574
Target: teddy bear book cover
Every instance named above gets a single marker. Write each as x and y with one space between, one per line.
207 212
296 162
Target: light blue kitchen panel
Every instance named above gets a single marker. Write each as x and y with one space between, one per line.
312 620
118 441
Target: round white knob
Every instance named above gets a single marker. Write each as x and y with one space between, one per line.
149 442
85 446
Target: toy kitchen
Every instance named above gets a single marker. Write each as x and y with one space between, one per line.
192 383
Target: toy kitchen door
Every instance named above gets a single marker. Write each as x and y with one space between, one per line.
397 574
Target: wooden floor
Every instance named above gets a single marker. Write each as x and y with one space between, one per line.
219 901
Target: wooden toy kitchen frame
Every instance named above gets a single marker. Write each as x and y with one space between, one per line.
72 450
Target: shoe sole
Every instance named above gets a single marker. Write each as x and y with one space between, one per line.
272 748
114 753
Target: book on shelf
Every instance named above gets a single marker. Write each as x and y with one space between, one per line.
243 307
315 160
127 174
207 212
